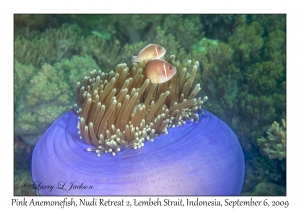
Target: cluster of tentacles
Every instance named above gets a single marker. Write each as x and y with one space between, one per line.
122 109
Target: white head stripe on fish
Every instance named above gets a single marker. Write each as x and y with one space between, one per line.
156 50
165 70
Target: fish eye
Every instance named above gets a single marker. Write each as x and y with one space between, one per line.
159 47
170 67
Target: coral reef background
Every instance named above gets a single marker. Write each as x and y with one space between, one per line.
242 71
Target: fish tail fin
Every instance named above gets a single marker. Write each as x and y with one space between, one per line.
133 59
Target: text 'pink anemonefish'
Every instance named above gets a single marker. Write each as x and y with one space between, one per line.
159 71
150 51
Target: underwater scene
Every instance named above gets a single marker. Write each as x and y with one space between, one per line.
150 104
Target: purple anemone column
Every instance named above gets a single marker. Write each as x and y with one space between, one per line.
203 158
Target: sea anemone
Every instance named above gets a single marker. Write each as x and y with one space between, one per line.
192 151
123 109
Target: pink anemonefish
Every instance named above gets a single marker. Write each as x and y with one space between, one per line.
159 71
150 51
